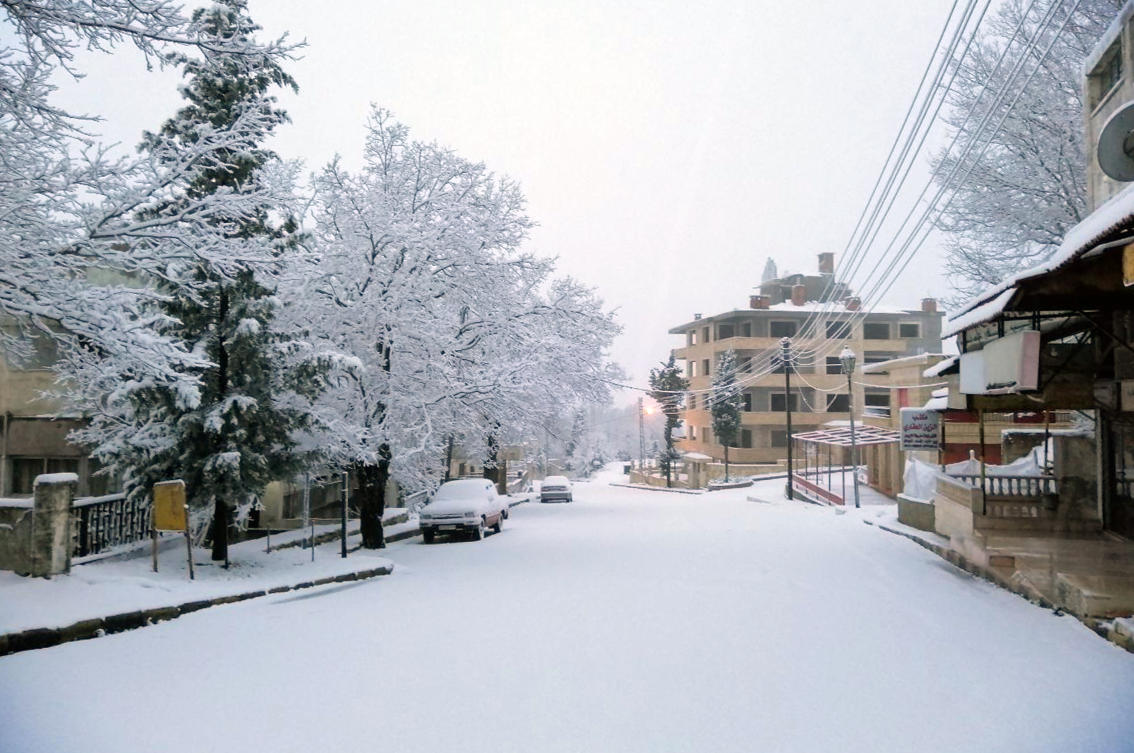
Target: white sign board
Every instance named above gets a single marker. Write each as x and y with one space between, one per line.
920 429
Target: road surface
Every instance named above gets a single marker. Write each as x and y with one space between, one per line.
625 621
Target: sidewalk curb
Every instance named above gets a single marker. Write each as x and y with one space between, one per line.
658 489
28 640
1107 629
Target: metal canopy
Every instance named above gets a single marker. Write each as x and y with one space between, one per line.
841 436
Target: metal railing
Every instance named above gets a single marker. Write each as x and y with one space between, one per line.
1011 486
414 502
101 523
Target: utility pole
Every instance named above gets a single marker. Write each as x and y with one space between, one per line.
785 356
641 436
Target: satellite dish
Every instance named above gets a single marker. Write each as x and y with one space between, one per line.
1116 144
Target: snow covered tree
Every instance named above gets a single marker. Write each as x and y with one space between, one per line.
458 336
219 301
667 387
69 212
726 403
1019 200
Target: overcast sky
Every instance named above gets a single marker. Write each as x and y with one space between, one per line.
667 149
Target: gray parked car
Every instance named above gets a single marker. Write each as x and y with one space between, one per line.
555 489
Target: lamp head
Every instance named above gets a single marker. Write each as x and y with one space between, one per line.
847 358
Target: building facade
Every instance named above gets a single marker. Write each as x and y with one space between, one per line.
820 316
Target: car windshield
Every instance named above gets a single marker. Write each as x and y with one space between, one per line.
461 490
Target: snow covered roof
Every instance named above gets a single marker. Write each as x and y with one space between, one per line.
1108 37
840 436
1116 214
696 456
882 366
938 369
939 400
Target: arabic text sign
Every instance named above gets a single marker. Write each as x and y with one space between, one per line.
920 429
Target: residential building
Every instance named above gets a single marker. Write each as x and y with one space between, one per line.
33 430
820 316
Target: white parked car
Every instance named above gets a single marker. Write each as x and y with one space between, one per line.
468 505
555 488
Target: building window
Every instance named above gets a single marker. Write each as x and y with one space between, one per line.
876 331
838 404
780 402
746 439
725 331
691 337
745 364
837 330
746 329
876 399
747 397
705 367
691 369
692 432
1107 74
705 334
692 401
779 438
909 330
877 357
834 365
781 329
24 471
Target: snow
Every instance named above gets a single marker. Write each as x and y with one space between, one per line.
940 368
57 478
20 502
628 621
114 586
978 314
1118 210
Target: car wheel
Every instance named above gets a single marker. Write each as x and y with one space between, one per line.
427 536
478 532
504 513
499 523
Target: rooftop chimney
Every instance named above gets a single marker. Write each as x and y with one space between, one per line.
929 305
758 301
826 263
853 303
696 316
798 295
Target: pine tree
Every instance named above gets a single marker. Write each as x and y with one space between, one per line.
666 388
726 404
238 437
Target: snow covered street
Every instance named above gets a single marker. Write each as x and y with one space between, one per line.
628 620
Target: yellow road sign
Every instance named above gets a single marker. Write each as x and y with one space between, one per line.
169 506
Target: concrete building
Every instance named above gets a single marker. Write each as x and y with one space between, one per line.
820 316
33 431
1107 87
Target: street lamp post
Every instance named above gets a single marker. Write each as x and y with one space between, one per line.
785 356
847 358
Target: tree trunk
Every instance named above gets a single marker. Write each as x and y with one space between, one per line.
726 463
449 460
371 496
220 509
220 532
668 454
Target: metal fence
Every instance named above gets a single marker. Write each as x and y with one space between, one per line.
101 523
